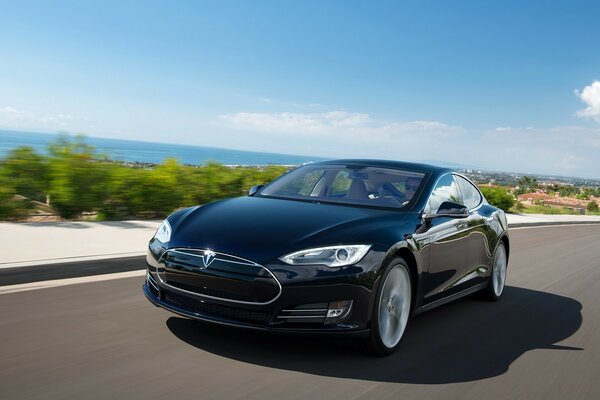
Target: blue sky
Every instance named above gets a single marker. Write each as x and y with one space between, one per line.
500 85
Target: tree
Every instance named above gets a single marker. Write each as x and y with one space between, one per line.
498 197
78 180
28 172
165 188
593 206
6 198
526 184
568 191
10 206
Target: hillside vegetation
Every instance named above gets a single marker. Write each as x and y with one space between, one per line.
77 182
77 179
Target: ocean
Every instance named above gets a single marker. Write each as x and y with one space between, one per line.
148 152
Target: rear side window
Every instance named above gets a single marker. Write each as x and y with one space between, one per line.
341 184
445 189
470 194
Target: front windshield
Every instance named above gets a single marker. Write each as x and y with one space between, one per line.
347 184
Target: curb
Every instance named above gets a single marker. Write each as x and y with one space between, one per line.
67 260
35 273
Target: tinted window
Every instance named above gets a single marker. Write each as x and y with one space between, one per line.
341 184
355 184
303 184
445 189
470 194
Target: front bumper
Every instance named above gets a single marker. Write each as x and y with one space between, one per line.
300 307
220 320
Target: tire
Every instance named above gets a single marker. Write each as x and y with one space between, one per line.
391 309
497 280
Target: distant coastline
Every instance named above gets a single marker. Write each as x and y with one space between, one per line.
139 153
130 151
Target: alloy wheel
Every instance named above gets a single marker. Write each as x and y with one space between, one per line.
499 272
394 306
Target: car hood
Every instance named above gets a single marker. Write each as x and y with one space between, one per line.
261 229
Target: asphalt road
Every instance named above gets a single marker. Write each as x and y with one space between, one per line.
103 340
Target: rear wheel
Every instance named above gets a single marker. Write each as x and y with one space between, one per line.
392 309
497 280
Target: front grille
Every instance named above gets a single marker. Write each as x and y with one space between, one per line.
218 276
207 291
212 309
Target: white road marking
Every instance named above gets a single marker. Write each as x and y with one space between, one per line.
24 287
551 226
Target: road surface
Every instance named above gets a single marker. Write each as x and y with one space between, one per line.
103 340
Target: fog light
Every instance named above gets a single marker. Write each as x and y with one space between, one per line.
338 311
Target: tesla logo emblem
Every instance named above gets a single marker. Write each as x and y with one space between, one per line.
208 258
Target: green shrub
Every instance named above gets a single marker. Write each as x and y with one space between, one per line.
592 206
6 196
28 172
11 206
498 197
519 206
78 180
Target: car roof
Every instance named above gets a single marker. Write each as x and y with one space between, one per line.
408 166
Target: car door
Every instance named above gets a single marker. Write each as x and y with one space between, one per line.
475 230
448 244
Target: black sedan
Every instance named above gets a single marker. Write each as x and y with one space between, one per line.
350 247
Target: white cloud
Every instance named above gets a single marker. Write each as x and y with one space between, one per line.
306 105
335 125
58 119
338 134
26 119
590 95
574 135
11 113
265 100
563 150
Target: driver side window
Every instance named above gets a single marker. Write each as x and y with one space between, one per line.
445 189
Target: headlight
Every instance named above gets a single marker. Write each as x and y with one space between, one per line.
163 234
331 256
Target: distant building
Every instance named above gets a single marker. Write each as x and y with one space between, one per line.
540 197
534 198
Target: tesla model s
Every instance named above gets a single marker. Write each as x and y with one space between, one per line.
344 247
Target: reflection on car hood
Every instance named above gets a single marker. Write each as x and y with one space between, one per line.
261 229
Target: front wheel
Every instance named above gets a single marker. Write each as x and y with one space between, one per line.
495 286
392 309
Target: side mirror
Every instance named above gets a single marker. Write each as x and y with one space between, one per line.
449 209
254 189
